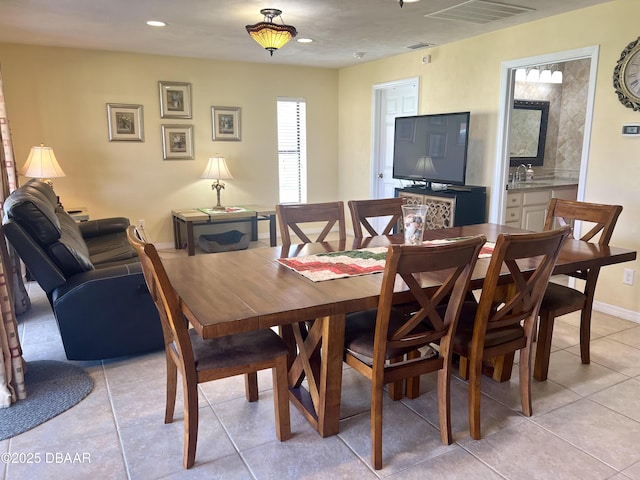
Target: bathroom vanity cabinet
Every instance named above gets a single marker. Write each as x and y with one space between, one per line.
526 205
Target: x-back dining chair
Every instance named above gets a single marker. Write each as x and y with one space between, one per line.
364 210
375 337
558 299
292 215
503 320
200 361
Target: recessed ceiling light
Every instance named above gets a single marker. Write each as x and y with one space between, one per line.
305 40
156 23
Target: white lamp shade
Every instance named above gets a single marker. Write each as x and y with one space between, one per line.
533 75
545 76
217 169
521 75
42 163
556 77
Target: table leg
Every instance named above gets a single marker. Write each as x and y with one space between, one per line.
177 240
254 228
272 230
320 406
191 246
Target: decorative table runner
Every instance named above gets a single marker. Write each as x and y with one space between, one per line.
328 266
351 263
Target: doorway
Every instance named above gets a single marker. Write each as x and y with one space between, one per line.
508 82
390 100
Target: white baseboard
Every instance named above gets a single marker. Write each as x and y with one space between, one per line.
617 311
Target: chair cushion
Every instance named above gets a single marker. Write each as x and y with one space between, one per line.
360 332
560 297
33 206
235 350
464 330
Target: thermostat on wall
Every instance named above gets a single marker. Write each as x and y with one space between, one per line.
631 130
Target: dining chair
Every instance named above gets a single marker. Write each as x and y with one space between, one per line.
292 215
375 337
364 210
503 319
559 299
200 361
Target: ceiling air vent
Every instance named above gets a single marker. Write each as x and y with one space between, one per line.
420 45
479 11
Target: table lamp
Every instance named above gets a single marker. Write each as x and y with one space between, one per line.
42 164
217 169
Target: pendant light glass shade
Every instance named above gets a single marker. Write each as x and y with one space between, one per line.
271 36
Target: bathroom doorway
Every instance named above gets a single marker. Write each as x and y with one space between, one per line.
567 146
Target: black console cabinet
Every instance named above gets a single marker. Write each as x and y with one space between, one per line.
453 207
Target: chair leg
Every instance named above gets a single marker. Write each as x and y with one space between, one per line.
585 334
412 387
376 426
525 380
543 348
444 404
281 399
190 422
172 379
251 386
395 388
475 379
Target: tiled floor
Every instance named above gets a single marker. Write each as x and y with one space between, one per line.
586 422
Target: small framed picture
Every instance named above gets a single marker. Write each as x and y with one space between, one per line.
125 122
177 142
226 123
175 99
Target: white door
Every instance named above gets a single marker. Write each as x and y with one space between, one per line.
390 100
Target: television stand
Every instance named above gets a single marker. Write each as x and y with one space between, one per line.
456 206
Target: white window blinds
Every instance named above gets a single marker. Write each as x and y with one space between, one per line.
292 149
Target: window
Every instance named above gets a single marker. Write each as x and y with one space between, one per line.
292 149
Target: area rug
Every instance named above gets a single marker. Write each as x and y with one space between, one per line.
52 388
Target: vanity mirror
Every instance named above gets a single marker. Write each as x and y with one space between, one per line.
528 132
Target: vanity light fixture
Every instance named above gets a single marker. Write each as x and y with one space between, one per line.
540 74
271 35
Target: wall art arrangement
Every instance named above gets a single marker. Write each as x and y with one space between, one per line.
226 123
125 122
177 142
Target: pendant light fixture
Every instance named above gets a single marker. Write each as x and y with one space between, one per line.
269 35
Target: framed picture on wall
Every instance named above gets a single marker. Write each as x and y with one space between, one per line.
226 123
175 99
177 142
125 122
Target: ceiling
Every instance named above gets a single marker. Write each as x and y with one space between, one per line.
215 29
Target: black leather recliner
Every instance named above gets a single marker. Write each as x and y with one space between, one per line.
90 273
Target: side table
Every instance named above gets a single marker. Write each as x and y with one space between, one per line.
196 216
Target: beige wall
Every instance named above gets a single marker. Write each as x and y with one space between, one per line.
466 76
58 97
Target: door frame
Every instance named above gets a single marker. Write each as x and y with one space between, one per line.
376 121
507 83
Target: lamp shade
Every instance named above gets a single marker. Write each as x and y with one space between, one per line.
271 36
217 169
42 163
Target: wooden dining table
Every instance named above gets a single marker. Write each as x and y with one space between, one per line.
241 291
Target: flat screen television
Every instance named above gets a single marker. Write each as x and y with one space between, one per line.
431 148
